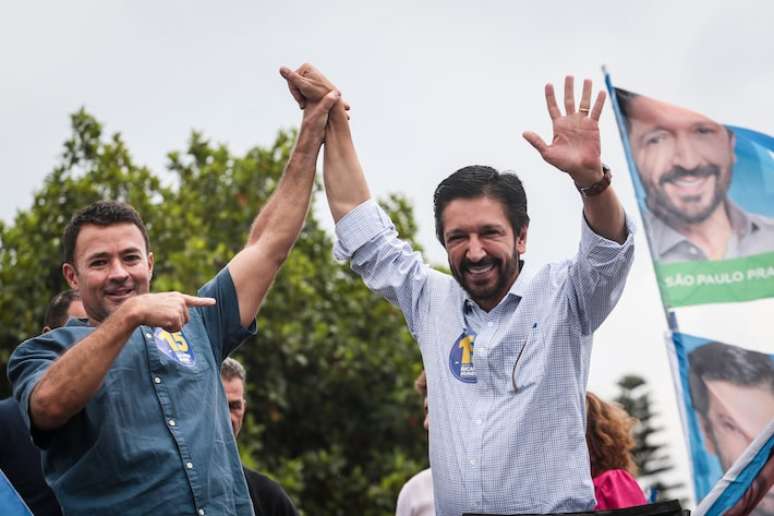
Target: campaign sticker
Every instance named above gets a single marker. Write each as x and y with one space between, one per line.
461 358
174 346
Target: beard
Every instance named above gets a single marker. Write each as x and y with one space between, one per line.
506 269
660 203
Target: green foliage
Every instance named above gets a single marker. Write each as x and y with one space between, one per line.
652 458
331 410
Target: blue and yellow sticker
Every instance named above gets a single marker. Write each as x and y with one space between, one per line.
461 358
174 346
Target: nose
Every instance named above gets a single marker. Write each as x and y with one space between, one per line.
117 271
686 155
475 251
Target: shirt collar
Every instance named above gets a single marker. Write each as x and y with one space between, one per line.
665 238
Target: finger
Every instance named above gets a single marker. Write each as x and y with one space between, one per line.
293 79
346 106
329 100
536 141
598 105
553 108
198 301
585 103
569 94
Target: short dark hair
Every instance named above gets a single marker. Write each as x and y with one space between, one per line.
56 313
100 213
482 181
718 361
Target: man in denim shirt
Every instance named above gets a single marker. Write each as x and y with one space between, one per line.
128 405
506 358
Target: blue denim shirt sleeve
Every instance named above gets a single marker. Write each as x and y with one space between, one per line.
222 321
28 364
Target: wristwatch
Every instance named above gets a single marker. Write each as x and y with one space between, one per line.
598 187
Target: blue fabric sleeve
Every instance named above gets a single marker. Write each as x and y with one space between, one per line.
222 321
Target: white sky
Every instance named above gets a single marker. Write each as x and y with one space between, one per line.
433 87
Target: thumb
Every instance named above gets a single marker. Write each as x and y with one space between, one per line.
294 84
536 141
329 100
198 301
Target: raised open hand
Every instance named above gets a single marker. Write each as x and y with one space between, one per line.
575 147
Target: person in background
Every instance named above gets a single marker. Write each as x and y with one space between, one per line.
268 497
19 458
610 441
416 495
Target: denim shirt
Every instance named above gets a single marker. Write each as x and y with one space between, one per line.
156 437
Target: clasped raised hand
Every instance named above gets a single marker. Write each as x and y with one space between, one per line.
575 147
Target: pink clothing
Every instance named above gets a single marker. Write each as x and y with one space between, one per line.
617 489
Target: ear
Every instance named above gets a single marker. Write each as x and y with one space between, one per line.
521 240
732 146
71 275
150 265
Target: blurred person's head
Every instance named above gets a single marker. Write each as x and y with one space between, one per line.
233 376
107 256
481 220
732 390
684 159
609 436
420 385
62 307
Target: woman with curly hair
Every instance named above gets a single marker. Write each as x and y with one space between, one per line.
610 442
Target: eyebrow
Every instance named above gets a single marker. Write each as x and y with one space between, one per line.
105 254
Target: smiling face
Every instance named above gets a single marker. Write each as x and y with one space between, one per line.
684 160
482 250
110 265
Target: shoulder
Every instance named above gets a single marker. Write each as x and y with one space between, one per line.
269 493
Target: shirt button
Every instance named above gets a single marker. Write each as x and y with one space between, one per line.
189 465
477 421
490 324
149 335
157 379
201 512
473 462
172 422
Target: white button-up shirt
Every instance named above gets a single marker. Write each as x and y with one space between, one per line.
506 388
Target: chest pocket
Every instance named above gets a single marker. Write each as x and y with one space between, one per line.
178 351
525 366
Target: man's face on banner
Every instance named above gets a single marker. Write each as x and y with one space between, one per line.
684 160
736 415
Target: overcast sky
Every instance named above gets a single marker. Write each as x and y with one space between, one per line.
433 87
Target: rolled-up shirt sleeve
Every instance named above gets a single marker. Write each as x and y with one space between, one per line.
598 274
388 265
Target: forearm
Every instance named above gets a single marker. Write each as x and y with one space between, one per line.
345 183
281 219
71 381
606 216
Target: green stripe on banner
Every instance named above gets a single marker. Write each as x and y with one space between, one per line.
724 281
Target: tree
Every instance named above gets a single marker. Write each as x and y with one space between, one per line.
332 414
651 457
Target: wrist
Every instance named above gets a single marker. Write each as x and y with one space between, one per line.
595 184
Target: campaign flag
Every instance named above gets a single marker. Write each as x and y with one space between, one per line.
706 196
727 404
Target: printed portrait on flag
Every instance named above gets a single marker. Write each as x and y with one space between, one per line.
706 194
728 395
